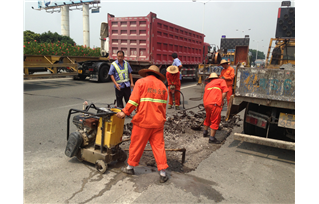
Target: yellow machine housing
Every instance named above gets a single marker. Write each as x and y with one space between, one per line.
113 130
283 52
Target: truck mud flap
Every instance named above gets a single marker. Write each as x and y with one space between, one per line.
265 141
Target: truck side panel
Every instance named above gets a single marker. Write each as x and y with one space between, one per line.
132 35
271 84
151 40
169 38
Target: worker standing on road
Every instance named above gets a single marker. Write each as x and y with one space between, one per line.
174 83
178 64
120 72
214 95
228 74
149 97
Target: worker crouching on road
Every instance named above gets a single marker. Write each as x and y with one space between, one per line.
214 95
174 83
228 74
149 96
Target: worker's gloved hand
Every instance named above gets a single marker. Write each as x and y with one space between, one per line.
172 87
120 115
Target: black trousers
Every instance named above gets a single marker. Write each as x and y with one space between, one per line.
124 92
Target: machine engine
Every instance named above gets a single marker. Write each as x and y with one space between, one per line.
87 127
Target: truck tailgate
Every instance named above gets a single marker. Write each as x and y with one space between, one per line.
271 84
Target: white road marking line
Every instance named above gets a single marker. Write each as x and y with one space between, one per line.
53 79
188 86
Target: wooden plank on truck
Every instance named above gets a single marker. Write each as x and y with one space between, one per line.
51 63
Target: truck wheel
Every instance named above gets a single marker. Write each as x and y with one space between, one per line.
101 166
103 74
196 75
249 129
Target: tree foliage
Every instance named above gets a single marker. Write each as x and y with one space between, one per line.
260 55
46 37
59 49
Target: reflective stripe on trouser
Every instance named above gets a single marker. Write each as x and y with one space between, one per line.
213 116
177 96
139 138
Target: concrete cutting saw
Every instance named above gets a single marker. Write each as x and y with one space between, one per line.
98 136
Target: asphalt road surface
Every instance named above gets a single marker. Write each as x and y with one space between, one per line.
236 173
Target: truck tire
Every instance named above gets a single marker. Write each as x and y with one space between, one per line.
103 73
196 75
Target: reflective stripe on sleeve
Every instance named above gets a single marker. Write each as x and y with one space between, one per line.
133 103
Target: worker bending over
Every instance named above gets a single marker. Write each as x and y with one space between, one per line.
174 84
149 96
228 74
214 95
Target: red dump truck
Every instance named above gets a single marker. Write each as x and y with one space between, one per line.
145 40
149 40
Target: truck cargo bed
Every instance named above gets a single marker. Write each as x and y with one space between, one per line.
149 40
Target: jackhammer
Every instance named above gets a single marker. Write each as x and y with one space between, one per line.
173 89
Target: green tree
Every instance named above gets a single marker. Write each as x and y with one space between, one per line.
260 55
46 37
29 36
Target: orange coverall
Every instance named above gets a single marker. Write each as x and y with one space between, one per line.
149 96
213 101
173 79
229 75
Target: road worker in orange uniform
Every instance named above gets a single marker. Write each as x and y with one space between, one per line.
214 95
149 96
173 80
228 74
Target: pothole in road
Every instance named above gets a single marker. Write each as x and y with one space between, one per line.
184 130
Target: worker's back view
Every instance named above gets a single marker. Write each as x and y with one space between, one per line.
152 95
149 97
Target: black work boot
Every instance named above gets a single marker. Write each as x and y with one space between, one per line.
127 171
163 179
213 140
205 134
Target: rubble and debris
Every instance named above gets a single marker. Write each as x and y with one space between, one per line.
184 130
